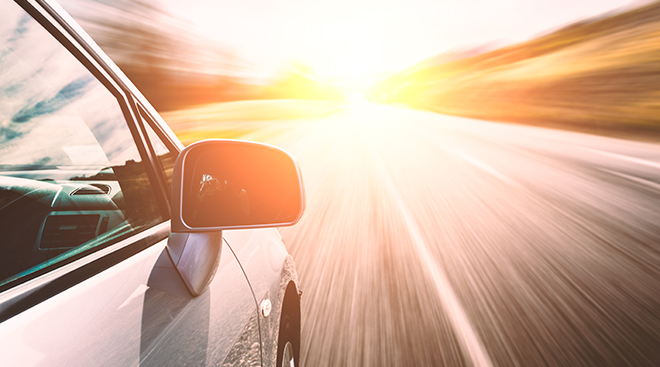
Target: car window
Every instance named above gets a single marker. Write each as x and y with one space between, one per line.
71 177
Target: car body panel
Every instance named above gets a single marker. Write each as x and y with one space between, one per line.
270 269
137 312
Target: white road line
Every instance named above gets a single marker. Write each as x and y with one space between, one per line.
450 303
623 157
482 165
633 178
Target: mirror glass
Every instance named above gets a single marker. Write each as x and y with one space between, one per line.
238 184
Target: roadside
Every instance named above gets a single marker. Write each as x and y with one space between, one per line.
599 76
242 119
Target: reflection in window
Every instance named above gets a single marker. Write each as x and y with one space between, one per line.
71 178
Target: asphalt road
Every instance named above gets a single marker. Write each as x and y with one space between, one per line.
431 240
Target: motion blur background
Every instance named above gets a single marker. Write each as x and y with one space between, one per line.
482 176
588 65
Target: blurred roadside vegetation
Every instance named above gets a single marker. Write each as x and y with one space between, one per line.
300 82
251 120
601 75
177 68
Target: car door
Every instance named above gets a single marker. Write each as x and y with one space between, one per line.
84 275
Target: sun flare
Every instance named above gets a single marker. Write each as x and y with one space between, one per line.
351 50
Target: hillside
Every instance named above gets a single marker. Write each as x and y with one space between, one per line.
601 76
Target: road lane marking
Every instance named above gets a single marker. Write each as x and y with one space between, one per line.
623 157
455 312
633 178
482 165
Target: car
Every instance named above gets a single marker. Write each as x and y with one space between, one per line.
118 245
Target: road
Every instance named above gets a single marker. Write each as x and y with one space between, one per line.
432 240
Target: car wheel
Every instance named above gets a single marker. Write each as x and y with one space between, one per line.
288 345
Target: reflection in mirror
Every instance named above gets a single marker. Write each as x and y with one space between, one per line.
233 184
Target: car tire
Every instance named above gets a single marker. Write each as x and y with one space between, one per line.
288 344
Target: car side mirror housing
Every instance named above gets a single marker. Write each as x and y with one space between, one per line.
232 184
227 184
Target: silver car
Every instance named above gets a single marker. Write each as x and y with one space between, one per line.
118 246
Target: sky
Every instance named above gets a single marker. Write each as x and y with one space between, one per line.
366 39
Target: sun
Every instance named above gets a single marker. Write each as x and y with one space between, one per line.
343 53
351 44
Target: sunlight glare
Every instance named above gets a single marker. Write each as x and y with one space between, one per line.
346 53
350 49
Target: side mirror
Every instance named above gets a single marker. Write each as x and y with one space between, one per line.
231 184
227 184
